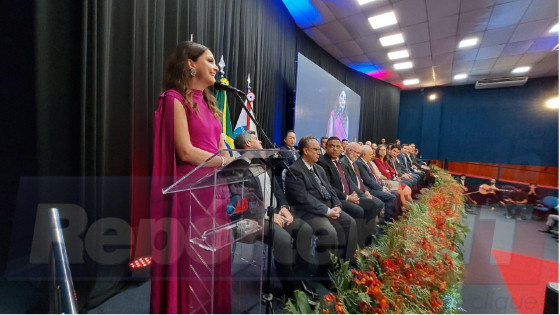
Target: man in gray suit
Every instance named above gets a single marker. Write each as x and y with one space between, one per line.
316 202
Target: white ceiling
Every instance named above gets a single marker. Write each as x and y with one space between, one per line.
511 33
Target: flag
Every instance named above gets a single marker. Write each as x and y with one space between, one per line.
244 121
221 98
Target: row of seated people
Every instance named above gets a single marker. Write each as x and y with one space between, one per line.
336 199
514 198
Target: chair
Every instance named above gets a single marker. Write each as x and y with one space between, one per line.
542 211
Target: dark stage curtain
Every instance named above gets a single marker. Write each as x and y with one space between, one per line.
93 79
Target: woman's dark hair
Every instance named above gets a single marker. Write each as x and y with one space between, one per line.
177 74
383 159
345 110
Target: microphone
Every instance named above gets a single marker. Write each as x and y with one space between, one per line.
228 88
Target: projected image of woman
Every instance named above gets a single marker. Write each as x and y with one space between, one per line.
338 122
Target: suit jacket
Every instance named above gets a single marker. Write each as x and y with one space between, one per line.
334 177
367 176
352 174
304 193
397 165
291 156
404 163
254 182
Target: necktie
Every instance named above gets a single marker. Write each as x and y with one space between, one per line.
374 175
360 183
323 190
342 177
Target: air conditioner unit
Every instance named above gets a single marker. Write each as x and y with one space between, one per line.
500 82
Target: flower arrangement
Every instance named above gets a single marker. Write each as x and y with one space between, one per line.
416 267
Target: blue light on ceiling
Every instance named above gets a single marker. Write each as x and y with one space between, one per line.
365 68
304 13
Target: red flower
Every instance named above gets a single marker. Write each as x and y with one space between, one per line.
329 298
365 307
377 311
373 290
325 311
339 308
382 301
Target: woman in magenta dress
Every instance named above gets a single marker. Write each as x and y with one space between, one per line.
187 132
338 121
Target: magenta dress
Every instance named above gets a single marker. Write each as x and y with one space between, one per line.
337 126
182 279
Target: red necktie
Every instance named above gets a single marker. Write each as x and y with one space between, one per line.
342 177
360 183
373 172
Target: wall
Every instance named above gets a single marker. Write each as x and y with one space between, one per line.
504 125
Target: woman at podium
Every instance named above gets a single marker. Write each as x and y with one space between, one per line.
187 132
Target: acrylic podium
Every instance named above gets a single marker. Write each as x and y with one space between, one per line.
224 238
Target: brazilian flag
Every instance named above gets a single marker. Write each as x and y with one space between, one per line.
221 97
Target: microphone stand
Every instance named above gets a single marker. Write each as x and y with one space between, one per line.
267 296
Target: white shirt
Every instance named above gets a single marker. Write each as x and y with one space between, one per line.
264 179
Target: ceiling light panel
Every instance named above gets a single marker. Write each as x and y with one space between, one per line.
469 42
403 65
391 40
460 76
398 54
554 29
361 2
411 81
383 20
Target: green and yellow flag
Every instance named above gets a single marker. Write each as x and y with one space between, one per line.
221 97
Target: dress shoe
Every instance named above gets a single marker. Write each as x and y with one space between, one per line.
545 231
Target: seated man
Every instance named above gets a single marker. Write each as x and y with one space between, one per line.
408 167
357 203
290 142
463 181
316 202
397 165
291 263
373 183
516 200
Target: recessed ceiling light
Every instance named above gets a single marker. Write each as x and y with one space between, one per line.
403 65
432 97
468 42
521 69
554 29
360 2
382 20
391 40
460 76
411 81
398 54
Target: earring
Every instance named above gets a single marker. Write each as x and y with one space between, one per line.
193 72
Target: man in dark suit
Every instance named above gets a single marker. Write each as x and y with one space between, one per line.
402 157
288 149
372 182
398 166
316 202
358 203
291 263
324 145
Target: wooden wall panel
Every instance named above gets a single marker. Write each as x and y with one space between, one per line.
541 175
